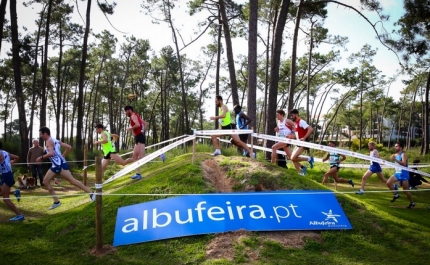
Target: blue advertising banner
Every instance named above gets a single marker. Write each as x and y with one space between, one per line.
217 213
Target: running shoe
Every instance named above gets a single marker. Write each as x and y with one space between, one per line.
304 170
55 205
216 153
253 156
311 162
17 218
301 174
17 194
411 205
351 182
360 192
395 197
245 153
137 176
92 197
163 157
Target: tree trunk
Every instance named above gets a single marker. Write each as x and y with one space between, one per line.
36 67
181 74
274 69
60 57
79 147
308 85
23 132
229 49
218 65
2 15
252 62
426 135
412 109
43 106
294 58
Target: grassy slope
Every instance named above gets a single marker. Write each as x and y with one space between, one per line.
383 232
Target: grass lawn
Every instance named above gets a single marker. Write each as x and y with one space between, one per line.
383 232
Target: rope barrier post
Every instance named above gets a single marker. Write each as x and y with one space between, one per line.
252 142
99 206
85 164
194 149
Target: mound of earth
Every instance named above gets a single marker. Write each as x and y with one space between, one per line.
240 174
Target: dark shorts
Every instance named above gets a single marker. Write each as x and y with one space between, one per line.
108 155
7 178
57 169
336 166
227 127
375 168
305 148
140 139
243 137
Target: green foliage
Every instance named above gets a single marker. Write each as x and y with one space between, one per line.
355 144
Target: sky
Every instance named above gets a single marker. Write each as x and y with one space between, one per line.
130 19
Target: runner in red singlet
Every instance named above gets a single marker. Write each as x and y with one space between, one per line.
303 131
137 125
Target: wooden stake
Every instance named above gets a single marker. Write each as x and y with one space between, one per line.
85 164
99 206
252 143
194 149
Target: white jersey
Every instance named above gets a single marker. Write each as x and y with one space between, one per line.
57 159
283 129
5 166
372 154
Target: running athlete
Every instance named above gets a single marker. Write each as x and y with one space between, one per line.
303 131
137 125
6 182
400 175
284 130
374 168
59 165
108 146
242 122
225 120
335 159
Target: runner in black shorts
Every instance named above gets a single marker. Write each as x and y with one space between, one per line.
335 159
225 120
140 138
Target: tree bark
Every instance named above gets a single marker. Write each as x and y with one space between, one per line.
274 69
60 57
23 132
229 49
43 106
308 83
80 118
2 15
252 62
426 135
218 65
294 58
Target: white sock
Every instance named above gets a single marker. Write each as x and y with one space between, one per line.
218 151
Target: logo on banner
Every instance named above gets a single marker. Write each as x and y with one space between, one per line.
207 213
329 221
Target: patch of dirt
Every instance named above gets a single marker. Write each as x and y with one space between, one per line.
105 250
223 245
215 175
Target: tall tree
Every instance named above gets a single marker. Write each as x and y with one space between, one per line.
252 61
2 15
23 132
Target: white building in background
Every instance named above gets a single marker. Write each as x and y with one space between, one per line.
387 126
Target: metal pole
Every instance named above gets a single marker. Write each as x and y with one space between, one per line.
99 206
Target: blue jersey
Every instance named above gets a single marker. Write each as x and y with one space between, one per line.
5 166
399 170
241 122
57 159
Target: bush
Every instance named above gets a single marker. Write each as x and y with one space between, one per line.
364 142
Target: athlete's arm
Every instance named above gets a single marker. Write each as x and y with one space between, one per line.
290 122
342 158
68 148
326 157
145 124
114 136
14 157
248 119
50 148
310 130
375 153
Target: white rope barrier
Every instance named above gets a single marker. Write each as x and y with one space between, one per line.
222 132
290 192
147 158
339 151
